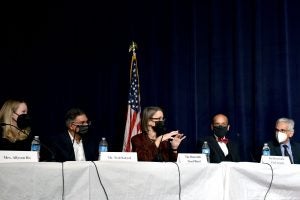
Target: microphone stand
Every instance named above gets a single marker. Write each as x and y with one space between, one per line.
160 158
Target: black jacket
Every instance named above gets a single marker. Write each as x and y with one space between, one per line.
276 151
216 153
60 148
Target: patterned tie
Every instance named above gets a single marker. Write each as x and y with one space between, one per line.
223 139
286 153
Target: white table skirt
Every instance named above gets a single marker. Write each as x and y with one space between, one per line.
147 180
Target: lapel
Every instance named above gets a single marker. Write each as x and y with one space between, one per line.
217 147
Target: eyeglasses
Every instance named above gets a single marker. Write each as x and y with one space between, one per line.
158 118
282 130
85 123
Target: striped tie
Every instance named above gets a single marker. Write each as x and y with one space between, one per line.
286 153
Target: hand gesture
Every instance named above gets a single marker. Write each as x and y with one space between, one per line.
175 138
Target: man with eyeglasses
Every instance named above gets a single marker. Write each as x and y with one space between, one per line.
74 144
283 145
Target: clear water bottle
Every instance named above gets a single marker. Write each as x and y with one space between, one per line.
206 150
103 146
35 144
266 150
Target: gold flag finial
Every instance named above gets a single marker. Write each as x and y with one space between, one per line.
133 47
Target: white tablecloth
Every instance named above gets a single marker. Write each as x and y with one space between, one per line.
147 180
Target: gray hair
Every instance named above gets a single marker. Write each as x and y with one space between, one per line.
290 122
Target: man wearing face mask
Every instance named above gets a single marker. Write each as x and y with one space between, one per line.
283 145
221 148
155 143
75 144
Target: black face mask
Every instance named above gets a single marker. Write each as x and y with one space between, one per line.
220 131
23 121
159 128
83 130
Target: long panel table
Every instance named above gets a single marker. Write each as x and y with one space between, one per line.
147 180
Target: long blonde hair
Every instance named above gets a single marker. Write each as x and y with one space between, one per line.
6 113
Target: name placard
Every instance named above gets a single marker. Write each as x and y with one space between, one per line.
118 156
191 158
19 156
275 160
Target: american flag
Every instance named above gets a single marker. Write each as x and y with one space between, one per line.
133 122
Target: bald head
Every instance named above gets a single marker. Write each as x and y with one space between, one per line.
220 120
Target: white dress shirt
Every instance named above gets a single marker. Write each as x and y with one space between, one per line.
224 148
78 149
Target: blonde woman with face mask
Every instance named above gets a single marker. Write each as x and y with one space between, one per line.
15 126
283 145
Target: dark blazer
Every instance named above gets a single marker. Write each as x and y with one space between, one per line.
276 151
216 153
61 148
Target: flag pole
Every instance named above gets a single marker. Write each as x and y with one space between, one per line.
133 121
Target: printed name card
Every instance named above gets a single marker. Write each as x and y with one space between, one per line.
118 156
192 158
19 156
275 160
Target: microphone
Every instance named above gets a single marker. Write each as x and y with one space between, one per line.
5 124
42 144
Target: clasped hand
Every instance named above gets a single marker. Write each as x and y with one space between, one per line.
175 138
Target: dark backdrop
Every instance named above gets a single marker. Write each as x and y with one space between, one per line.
195 58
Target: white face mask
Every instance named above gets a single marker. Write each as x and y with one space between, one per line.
281 137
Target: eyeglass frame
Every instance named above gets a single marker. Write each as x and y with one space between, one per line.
157 118
87 123
283 130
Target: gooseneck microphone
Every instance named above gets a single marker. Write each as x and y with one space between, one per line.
42 144
5 124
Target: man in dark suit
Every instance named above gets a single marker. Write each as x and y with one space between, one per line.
221 149
75 144
283 145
